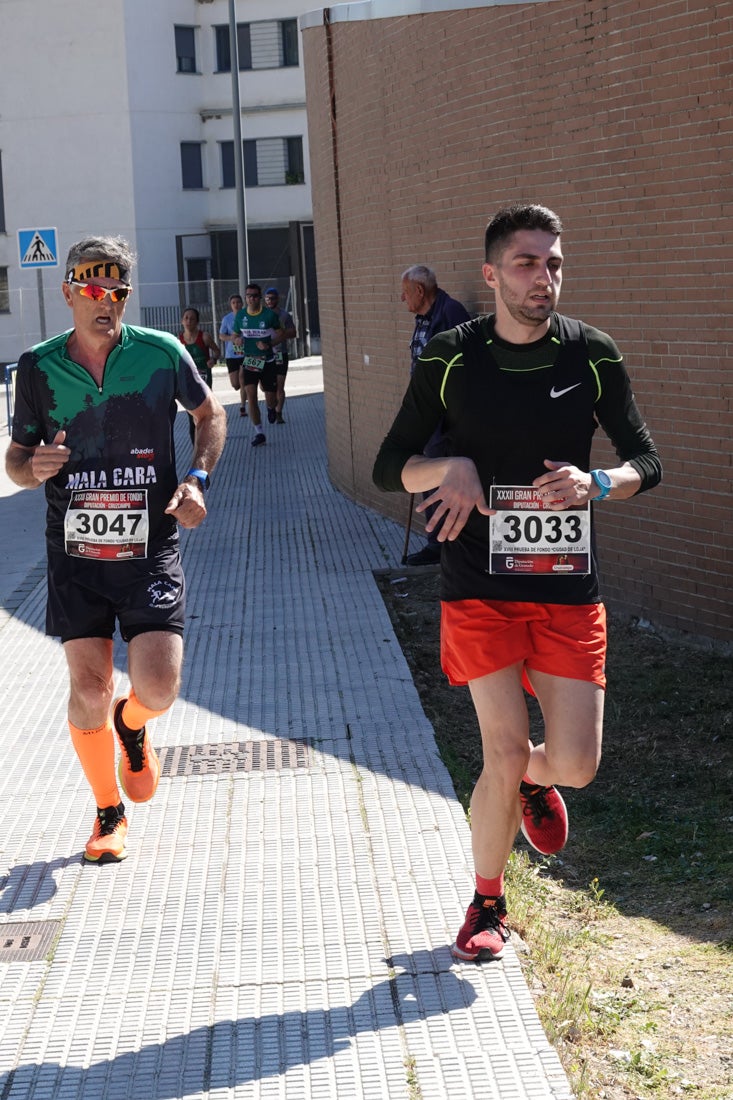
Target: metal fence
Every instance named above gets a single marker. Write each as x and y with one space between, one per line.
211 299
153 305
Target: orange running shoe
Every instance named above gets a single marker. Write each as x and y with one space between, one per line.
139 770
107 842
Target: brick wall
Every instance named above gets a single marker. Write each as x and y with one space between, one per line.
619 117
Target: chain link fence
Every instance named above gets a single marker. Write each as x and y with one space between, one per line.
27 320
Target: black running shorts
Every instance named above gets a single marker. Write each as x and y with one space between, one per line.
143 594
267 377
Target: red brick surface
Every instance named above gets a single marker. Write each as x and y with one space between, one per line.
619 117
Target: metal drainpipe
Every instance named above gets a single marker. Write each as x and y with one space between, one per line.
339 237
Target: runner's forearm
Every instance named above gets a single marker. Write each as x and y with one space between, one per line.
210 435
18 467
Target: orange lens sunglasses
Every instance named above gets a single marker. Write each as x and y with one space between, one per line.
97 293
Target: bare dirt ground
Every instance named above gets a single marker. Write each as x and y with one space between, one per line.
626 938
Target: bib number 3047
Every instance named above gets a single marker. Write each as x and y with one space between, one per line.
107 525
527 537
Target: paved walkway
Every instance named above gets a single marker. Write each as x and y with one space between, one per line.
282 925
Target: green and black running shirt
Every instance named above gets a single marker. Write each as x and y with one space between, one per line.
255 328
509 407
120 433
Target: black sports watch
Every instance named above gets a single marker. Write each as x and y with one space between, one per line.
202 477
603 482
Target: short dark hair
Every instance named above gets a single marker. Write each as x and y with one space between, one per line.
520 215
253 286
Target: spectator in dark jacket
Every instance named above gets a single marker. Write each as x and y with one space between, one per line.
435 311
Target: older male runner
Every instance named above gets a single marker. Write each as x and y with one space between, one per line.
93 423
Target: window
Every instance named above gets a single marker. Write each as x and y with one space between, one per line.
198 269
224 54
185 49
4 291
295 170
268 162
266 44
228 176
251 178
192 173
289 33
2 198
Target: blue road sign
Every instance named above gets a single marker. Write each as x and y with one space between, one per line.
38 248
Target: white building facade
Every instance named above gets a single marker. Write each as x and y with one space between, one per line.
116 118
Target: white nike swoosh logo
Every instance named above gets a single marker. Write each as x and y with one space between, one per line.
559 393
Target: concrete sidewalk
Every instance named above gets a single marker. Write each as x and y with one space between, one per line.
281 927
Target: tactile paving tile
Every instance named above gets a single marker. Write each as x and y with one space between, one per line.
279 932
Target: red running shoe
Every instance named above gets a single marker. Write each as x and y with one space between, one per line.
484 931
544 818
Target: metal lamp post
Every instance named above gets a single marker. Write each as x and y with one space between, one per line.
242 251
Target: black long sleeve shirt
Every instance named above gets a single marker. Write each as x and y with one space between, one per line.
508 407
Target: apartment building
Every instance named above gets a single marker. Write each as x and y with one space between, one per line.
118 118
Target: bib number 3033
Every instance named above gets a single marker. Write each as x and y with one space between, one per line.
526 537
107 525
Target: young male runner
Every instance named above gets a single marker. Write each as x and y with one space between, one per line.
257 331
93 423
521 393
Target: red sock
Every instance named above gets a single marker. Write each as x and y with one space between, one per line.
490 887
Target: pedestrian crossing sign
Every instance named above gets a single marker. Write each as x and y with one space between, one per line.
38 248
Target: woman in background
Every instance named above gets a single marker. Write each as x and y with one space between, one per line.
202 349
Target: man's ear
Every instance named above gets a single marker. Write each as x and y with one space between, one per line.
489 275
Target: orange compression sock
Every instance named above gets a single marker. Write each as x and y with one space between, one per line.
96 752
135 715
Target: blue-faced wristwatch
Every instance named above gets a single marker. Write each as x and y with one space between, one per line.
202 477
603 482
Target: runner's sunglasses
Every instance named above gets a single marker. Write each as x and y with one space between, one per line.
97 293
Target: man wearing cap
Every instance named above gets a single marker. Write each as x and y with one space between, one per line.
272 299
93 423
